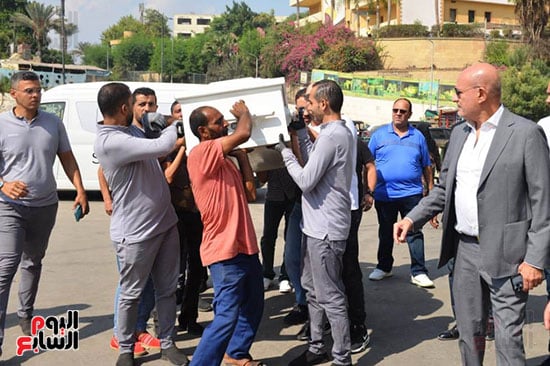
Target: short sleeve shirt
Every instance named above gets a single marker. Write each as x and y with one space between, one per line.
219 194
27 153
399 161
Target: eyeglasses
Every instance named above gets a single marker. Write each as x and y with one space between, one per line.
401 111
460 92
31 91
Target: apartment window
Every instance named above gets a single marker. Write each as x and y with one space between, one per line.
184 20
203 21
471 16
184 35
452 16
488 16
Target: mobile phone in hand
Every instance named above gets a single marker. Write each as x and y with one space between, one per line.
517 282
78 213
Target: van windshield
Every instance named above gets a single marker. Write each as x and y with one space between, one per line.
57 108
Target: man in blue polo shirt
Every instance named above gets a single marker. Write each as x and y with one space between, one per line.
401 158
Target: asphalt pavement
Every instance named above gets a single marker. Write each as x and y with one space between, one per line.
79 273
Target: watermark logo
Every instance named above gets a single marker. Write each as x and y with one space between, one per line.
51 334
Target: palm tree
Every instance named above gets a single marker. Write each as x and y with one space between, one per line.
70 29
40 19
533 16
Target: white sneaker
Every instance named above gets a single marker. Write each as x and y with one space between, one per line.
378 275
267 283
422 280
285 287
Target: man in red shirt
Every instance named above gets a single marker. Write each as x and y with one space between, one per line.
229 245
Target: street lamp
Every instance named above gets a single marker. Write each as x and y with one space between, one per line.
63 41
162 51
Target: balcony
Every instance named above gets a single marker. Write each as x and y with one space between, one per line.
305 3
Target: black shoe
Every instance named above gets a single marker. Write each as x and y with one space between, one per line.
448 335
125 359
359 338
175 356
204 306
309 358
490 332
193 328
25 324
298 315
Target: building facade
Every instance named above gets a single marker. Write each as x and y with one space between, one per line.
189 25
362 16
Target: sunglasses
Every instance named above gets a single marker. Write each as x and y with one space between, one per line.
401 111
460 92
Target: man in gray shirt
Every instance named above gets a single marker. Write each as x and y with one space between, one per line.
143 222
325 181
30 140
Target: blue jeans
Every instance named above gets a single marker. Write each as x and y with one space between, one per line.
238 308
293 252
146 305
387 216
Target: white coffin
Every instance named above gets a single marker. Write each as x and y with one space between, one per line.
266 101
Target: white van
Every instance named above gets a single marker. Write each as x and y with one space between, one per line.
76 105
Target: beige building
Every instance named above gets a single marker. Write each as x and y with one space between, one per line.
364 15
188 25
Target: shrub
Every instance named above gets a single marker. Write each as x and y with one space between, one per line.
359 54
496 53
461 30
403 30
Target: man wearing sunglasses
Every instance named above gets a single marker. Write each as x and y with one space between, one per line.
494 192
401 159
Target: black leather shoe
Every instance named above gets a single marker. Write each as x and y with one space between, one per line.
193 328
175 356
309 359
25 324
448 335
204 306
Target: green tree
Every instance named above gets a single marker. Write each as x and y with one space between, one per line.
116 31
5 86
155 23
132 54
95 54
524 90
40 19
11 32
50 55
235 20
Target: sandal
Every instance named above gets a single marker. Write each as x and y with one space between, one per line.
230 361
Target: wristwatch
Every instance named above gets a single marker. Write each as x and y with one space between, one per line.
1 184
368 191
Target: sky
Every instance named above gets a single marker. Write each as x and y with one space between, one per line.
94 16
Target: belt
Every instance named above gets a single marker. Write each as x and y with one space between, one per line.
468 238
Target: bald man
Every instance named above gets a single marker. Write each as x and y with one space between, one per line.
494 192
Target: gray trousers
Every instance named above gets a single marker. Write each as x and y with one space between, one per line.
474 292
322 278
160 257
24 235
